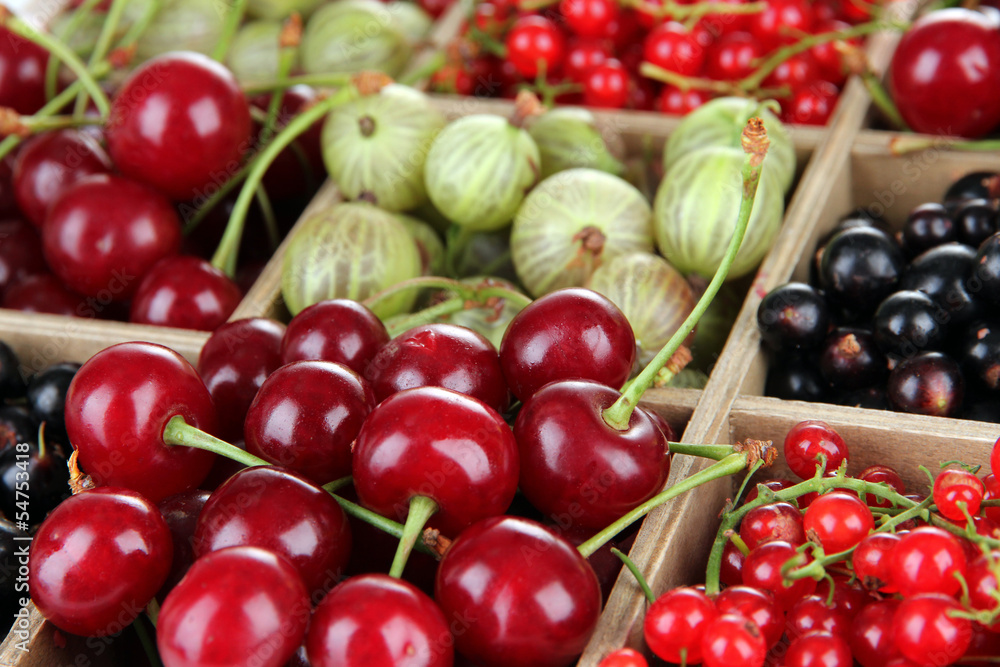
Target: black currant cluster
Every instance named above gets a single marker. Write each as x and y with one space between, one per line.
908 321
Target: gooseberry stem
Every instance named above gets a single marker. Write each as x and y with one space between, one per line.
234 17
755 144
641 580
225 255
66 55
101 48
422 508
730 465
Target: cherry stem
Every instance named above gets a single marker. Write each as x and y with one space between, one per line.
11 123
910 144
467 292
226 254
627 562
427 315
179 432
317 80
137 29
755 144
291 31
66 55
421 509
384 524
147 641
76 19
216 198
337 484
714 452
730 465
679 12
738 542
234 17
101 48
882 100
153 612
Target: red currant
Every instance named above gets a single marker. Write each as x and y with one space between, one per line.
839 520
957 492
926 560
675 623
806 441
535 42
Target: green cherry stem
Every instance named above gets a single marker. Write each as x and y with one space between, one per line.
291 34
463 290
714 452
234 17
730 465
882 100
643 584
426 316
755 144
226 254
66 55
421 509
101 48
338 484
137 29
73 24
317 80
910 144
147 640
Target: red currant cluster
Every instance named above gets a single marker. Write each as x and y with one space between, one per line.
837 570
669 56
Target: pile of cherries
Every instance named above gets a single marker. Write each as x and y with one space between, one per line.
93 212
908 321
590 52
838 571
256 549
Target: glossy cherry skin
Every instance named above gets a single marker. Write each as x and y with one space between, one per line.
373 619
339 330
181 514
98 559
237 606
440 355
437 443
44 293
181 124
946 56
305 417
281 511
575 466
567 334
51 161
20 252
22 73
234 362
105 232
184 292
522 595
117 407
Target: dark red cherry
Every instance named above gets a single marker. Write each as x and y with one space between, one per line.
44 293
500 579
282 512
181 514
252 601
339 330
185 292
373 619
105 232
22 73
20 252
573 464
437 443
234 362
97 560
301 164
568 334
179 123
440 355
51 161
306 416
117 407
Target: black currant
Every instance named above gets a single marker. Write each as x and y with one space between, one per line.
793 315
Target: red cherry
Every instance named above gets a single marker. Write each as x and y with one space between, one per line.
606 86
185 292
731 640
306 416
872 561
437 443
675 623
97 560
337 330
774 521
234 362
280 511
500 579
22 73
732 57
49 162
181 514
534 41
756 605
582 56
781 22
574 466
589 18
253 602
926 561
806 441
44 293
179 123
116 409
105 232
374 619
569 333
20 252
440 355
954 489
762 569
672 47
838 520
435 7
871 633
949 55
818 648
925 632
673 100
